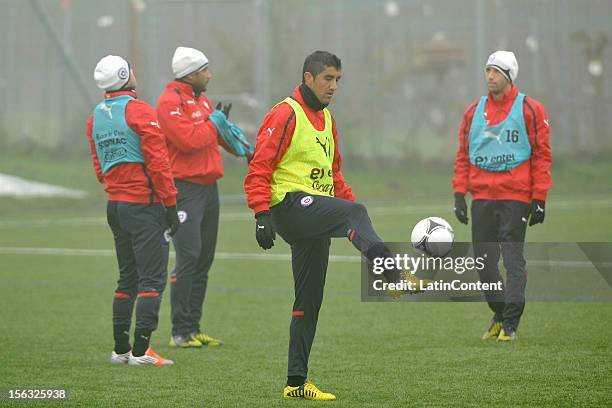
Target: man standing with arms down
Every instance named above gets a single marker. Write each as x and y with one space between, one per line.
503 159
295 186
194 131
131 160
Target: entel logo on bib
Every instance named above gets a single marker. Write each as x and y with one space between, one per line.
306 201
182 215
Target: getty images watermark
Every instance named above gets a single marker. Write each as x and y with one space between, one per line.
409 266
553 271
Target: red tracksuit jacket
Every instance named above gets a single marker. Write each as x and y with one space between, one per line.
273 139
193 140
530 179
146 182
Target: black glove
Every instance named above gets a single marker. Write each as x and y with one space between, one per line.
461 208
538 208
226 109
172 219
264 230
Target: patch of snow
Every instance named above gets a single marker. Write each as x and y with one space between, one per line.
11 186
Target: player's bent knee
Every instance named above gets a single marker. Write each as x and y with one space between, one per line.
358 210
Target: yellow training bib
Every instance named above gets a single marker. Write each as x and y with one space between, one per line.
307 163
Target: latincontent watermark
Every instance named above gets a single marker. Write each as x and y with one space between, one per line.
409 264
552 272
436 286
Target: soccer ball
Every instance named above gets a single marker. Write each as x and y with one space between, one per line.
433 235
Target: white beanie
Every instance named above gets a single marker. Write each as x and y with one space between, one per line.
187 60
505 62
112 73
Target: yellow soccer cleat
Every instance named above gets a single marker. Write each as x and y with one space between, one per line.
493 331
506 336
184 342
307 391
416 282
206 340
395 294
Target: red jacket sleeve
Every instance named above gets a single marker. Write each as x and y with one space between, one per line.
341 189
141 118
185 134
273 138
462 161
538 129
92 148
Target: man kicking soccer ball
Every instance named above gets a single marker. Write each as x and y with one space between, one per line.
130 158
295 186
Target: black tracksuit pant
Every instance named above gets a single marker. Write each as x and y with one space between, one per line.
195 243
142 255
307 223
498 227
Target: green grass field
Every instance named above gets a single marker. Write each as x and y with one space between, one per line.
56 321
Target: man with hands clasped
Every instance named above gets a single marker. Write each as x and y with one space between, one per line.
503 160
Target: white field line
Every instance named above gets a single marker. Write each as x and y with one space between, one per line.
555 205
110 252
246 256
247 216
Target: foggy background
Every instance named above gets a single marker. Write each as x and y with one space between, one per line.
410 67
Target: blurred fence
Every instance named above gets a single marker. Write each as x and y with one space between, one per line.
410 67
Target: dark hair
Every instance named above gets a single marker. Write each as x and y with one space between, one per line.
318 61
